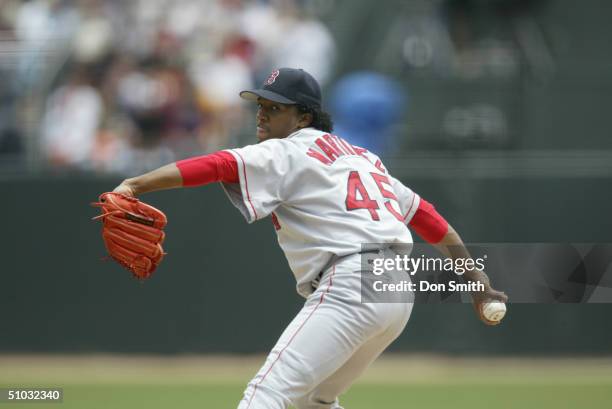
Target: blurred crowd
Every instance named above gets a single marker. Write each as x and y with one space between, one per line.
124 86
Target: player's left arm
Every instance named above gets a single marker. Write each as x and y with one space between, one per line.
435 230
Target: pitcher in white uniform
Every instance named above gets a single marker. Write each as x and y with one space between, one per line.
326 199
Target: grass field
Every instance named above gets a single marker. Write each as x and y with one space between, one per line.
394 382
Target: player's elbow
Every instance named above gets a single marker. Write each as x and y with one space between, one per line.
429 224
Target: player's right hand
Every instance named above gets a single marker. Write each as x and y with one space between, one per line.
486 296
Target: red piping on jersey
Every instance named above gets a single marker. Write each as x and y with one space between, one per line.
428 223
201 170
410 208
246 184
329 286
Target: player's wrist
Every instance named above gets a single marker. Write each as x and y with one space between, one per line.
127 187
477 275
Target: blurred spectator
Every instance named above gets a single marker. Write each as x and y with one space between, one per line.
366 106
71 121
111 152
287 36
94 36
145 93
10 137
219 82
42 26
316 51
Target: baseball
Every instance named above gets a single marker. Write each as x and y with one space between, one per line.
494 311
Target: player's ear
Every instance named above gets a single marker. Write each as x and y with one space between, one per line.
305 120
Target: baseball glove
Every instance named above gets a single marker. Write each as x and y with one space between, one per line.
132 232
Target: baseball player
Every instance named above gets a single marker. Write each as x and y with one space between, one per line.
326 198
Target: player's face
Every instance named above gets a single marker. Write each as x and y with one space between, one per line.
276 120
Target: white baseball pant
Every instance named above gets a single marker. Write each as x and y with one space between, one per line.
328 345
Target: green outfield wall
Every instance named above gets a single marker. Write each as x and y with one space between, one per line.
225 286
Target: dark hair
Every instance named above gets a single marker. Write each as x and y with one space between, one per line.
321 120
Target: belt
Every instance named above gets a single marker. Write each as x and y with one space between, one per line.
317 280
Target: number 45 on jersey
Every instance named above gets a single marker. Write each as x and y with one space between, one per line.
358 198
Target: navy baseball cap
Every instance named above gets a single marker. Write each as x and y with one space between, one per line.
288 86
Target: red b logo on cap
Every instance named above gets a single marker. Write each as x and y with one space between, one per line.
272 77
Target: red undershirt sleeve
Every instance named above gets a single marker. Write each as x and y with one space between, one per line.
217 167
428 223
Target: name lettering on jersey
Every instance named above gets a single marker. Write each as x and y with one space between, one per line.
380 166
331 147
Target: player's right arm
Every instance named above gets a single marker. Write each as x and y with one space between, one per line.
425 220
197 171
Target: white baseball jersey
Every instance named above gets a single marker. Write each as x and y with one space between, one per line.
326 197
